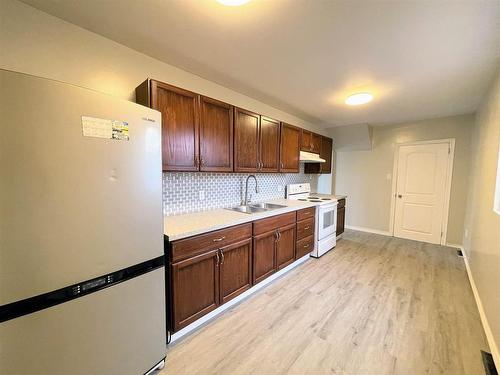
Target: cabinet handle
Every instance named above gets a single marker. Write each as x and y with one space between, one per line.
279 235
222 255
218 259
202 162
281 165
276 235
306 246
306 228
219 239
196 162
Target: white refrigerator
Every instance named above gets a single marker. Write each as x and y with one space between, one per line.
82 277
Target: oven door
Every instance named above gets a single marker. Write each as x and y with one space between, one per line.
327 220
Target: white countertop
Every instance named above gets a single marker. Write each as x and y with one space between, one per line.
181 226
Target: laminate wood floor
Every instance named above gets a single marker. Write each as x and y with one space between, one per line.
374 305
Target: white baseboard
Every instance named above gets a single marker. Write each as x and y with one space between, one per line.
193 326
456 246
487 330
369 230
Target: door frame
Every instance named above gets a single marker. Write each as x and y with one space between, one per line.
447 188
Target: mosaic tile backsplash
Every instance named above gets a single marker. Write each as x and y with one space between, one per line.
181 190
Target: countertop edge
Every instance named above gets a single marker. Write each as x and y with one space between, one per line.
245 218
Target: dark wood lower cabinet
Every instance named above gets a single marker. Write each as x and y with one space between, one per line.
210 269
340 220
285 246
305 246
195 288
264 255
273 250
235 269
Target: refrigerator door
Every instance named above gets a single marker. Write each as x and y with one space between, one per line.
118 330
73 207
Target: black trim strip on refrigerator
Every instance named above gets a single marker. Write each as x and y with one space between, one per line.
43 301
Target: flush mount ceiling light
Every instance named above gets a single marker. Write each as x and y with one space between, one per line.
233 3
359 98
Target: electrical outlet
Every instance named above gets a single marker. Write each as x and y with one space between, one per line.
201 195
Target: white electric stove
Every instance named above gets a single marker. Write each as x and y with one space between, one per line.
326 216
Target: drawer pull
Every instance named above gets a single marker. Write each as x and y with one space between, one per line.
306 228
219 239
306 245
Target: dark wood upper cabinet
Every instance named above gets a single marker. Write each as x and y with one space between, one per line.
310 142
235 269
305 140
216 135
325 153
195 288
246 140
285 246
197 131
180 127
269 145
204 134
289 148
315 143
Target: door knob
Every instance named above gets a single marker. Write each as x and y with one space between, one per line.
400 196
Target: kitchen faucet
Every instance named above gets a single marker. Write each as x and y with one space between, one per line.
246 201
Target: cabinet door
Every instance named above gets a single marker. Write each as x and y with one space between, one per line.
216 135
269 144
340 220
264 255
246 140
195 288
305 140
235 269
325 153
285 246
179 131
289 148
315 143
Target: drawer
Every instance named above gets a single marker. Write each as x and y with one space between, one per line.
305 246
341 203
305 228
271 223
306 213
188 247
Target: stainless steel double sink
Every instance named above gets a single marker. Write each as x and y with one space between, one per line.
256 207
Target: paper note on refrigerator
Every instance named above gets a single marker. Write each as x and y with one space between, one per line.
105 128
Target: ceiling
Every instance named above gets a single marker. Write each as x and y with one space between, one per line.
421 59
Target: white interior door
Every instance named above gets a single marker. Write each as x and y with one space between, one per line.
421 191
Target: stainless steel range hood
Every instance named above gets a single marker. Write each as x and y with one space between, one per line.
310 157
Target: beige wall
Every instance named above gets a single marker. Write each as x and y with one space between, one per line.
36 43
366 176
482 228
